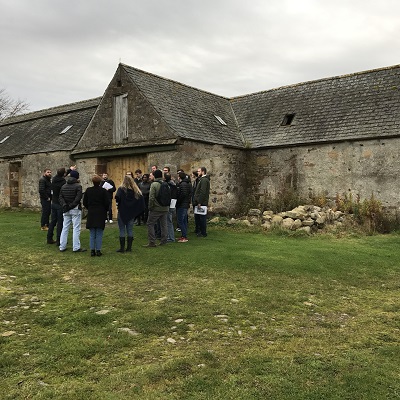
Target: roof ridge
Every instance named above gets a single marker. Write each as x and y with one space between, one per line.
317 80
173 81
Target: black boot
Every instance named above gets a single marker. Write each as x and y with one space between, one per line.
92 253
121 245
129 246
99 253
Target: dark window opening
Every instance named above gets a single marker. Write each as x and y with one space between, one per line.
119 83
288 119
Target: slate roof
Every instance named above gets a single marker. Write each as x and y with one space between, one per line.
358 106
39 132
188 111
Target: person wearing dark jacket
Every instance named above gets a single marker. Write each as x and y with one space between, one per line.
45 198
56 211
96 201
144 187
182 204
130 204
195 178
157 212
70 201
172 208
109 185
201 197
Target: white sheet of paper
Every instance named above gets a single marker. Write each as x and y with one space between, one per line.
107 186
173 203
200 210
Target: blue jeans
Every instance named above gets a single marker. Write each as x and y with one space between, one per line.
56 220
181 214
170 225
96 238
71 217
125 227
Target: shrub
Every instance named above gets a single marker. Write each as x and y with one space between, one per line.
369 213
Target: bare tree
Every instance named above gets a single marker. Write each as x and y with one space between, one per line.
10 107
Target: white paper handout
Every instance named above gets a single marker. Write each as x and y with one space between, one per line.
107 186
173 203
200 210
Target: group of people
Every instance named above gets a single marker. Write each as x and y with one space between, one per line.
155 199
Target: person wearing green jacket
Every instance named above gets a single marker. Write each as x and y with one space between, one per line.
157 212
200 198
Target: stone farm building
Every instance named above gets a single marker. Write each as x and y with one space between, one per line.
329 136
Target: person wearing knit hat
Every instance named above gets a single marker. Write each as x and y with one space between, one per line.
74 174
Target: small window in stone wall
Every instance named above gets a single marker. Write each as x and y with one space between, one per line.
288 119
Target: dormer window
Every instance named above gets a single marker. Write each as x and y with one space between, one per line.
287 119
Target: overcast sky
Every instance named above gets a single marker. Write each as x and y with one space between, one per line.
56 52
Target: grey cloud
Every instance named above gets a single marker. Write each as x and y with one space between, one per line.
60 51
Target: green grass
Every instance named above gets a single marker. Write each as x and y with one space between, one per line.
236 315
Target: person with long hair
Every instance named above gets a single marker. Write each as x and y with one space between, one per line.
130 203
96 200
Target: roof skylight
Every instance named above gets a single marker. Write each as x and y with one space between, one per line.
220 120
66 129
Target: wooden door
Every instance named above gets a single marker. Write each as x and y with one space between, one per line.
118 167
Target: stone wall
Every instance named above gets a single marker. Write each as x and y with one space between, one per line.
31 170
362 168
145 124
225 166
242 179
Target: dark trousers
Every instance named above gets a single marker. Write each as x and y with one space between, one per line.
154 217
201 224
56 220
110 214
46 211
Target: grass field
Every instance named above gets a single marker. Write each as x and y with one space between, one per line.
236 315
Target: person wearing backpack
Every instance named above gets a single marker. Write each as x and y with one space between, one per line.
159 202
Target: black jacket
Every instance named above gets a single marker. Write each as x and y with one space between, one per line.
45 188
96 200
184 194
56 184
71 195
202 192
129 207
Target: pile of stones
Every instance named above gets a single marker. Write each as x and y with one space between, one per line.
306 218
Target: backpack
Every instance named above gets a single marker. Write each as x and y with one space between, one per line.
164 195
174 190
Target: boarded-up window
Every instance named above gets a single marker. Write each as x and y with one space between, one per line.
120 130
